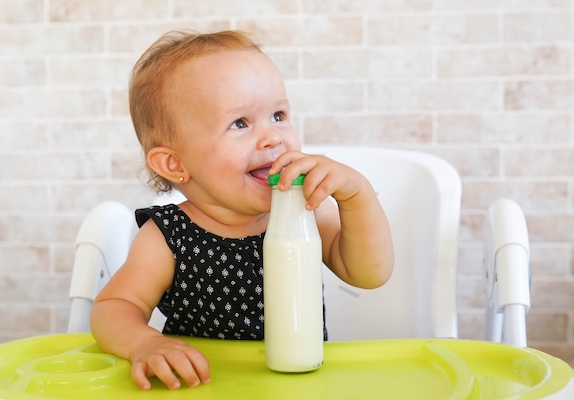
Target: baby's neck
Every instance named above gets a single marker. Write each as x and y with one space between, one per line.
225 223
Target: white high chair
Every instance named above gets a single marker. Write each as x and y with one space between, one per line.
421 195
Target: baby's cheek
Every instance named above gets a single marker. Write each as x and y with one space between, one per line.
292 142
268 203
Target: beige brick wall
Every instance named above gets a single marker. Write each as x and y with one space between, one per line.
486 84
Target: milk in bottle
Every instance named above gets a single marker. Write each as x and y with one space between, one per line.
292 282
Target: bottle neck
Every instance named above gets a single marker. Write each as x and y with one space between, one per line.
288 202
288 217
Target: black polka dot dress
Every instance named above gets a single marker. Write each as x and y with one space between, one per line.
217 291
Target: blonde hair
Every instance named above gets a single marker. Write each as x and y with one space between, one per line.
149 108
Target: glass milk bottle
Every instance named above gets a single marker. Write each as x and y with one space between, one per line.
292 282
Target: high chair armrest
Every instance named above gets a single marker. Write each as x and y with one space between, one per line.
507 273
102 245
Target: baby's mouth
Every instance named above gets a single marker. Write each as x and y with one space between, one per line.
260 173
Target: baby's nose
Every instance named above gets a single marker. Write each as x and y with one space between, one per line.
269 138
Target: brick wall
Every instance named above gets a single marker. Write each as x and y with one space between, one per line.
488 85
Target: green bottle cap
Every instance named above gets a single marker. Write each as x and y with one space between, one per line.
274 179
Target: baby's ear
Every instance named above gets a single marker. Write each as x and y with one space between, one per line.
165 162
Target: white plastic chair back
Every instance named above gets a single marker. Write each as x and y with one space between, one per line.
421 195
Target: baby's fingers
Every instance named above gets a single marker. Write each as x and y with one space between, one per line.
284 160
158 366
317 189
139 375
191 365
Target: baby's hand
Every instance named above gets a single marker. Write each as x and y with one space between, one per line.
162 356
325 177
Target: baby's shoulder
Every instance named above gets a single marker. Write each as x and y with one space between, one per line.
162 215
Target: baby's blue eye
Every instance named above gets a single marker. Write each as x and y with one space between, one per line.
239 124
278 116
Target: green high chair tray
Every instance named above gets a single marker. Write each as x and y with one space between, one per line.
72 366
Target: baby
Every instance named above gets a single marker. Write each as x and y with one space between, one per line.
212 116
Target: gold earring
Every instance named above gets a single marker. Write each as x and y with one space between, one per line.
181 178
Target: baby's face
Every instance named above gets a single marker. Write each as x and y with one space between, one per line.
233 121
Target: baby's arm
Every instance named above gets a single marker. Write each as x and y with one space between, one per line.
122 310
357 244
